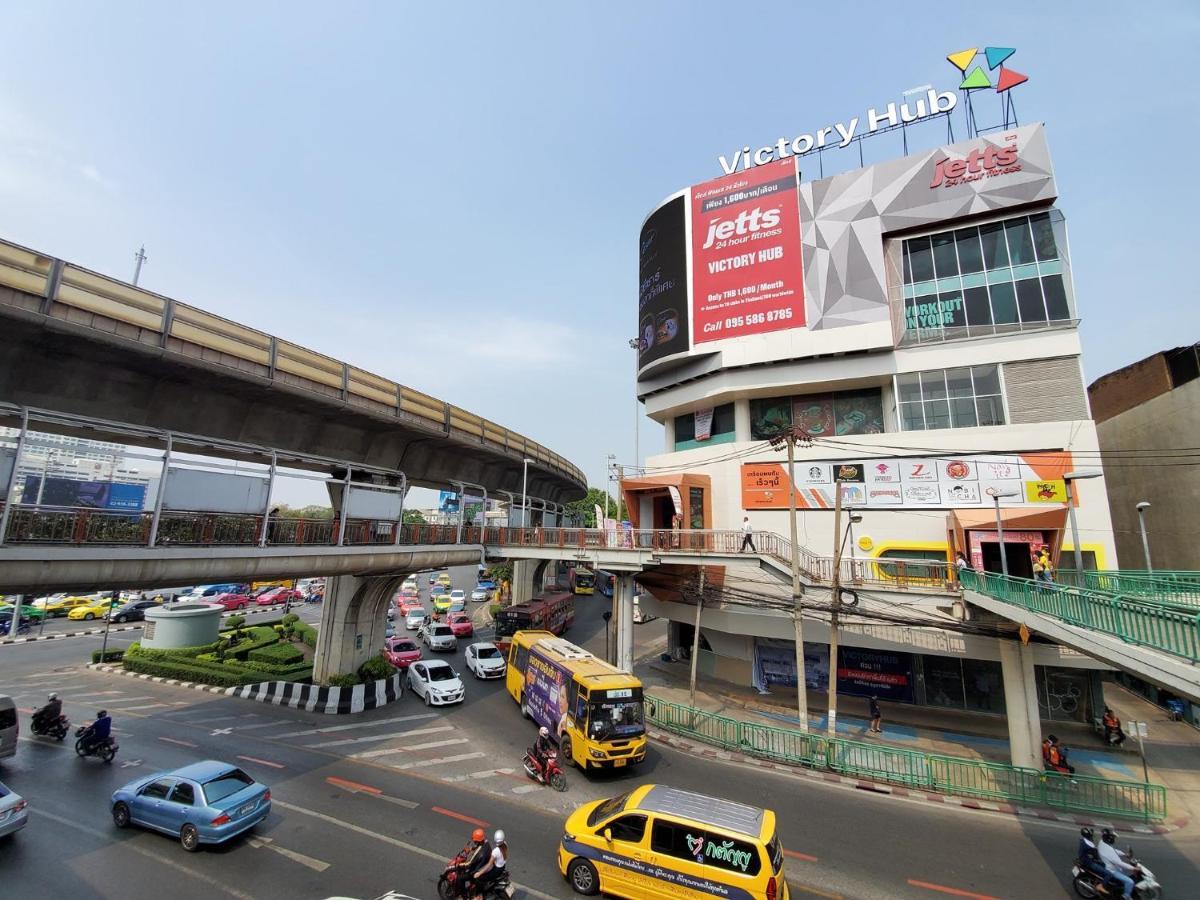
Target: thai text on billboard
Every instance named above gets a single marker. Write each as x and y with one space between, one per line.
747 275
546 692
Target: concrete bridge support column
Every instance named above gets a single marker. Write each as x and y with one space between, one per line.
353 622
623 605
527 579
1020 699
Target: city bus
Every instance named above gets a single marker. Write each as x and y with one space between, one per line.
551 612
594 709
582 581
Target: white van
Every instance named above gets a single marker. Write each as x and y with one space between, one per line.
9 727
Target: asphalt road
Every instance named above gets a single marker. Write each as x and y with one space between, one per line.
379 801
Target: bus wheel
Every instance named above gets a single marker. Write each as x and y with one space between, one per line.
564 750
525 708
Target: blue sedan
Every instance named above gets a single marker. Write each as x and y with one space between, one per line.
204 803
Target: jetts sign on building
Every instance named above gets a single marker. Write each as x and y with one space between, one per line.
982 162
934 103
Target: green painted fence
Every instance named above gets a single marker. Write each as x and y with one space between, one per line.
1137 586
1164 628
913 768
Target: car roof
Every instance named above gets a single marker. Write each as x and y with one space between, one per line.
724 814
204 770
435 664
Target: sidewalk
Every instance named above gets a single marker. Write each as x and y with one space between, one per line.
1172 750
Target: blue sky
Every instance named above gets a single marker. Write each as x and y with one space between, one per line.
450 195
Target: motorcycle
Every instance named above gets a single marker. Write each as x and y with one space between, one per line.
57 729
453 883
1090 885
551 773
106 748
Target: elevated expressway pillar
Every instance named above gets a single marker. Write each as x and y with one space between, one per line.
1020 701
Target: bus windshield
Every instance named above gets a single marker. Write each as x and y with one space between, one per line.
609 719
509 622
584 579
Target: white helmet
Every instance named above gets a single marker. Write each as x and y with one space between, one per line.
499 836
544 731
52 696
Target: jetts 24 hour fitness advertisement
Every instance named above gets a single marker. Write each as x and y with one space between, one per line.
747 276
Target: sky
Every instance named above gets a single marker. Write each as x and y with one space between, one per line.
450 195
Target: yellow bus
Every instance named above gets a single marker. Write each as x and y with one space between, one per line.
594 709
583 581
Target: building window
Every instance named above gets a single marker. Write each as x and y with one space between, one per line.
1001 276
721 430
905 568
819 415
950 398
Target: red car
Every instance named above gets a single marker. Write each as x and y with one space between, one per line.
232 601
278 595
460 624
401 652
407 604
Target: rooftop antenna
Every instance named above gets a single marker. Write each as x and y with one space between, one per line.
141 257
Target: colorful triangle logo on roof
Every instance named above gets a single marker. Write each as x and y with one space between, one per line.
977 79
997 55
963 58
1009 79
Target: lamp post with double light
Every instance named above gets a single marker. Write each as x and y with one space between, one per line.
1068 478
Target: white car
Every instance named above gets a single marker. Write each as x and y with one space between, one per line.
484 660
438 636
457 596
480 594
415 618
13 812
435 682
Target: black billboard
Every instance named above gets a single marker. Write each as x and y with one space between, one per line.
662 284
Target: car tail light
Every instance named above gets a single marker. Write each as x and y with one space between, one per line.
266 797
771 889
21 804
220 820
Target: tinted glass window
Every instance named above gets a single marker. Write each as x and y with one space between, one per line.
441 673
958 381
1029 300
769 417
705 847
184 794
970 255
685 427
987 379
1020 241
995 252
1057 307
1004 303
920 259
945 262
978 310
1043 237
8 718
909 386
933 385
226 785
158 790
606 809
953 314
628 828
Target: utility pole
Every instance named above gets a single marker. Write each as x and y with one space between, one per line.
696 645
836 598
636 345
141 257
790 437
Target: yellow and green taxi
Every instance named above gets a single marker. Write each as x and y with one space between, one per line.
96 609
659 841
28 611
61 606
441 602
444 579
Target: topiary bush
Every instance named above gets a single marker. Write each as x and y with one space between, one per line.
235 622
376 668
307 633
279 654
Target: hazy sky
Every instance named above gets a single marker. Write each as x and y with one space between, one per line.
450 195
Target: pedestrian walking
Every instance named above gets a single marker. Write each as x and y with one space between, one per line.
961 562
1039 571
876 715
747 536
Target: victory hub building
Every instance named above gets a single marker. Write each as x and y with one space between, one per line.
917 320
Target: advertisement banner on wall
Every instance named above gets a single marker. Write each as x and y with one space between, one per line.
662 284
861 672
704 420
747 275
85 494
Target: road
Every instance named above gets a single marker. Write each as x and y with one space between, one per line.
378 801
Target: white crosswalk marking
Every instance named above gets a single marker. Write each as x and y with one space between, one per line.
445 760
332 728
136 708
478 776
372 754
382 737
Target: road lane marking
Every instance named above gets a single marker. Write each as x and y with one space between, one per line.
526 788
136 708
207 720
395 842
941 888
803 856
331 728
316 865
129 699
352 785
94 694
438 762
391 751
382 737
221 731
462 818
486 773
265 762
274 724
174 741
132 845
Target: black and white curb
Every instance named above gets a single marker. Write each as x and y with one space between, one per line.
68 634
334 701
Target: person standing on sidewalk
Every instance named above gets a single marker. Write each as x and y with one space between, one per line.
747 536
876 715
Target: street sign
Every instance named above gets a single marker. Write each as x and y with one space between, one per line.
1143 729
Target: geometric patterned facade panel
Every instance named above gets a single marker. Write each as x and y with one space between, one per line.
846 218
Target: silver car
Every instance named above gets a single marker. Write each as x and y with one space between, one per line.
415 619
13 813
438 636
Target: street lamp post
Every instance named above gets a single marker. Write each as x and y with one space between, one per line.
1141 510
636 345
524 496
996 495
1067 479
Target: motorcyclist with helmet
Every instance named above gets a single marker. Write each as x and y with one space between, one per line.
1089 857
48 714
542 748
1118 869
475 856
97 732
495 868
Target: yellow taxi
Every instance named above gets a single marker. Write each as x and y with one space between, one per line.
61 606
95 609
441 602
444 579
662 842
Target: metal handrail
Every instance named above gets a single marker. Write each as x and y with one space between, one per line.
1144 587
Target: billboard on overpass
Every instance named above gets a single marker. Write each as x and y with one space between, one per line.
85 494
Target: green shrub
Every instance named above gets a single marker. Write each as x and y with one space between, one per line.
274 672
235 622
376 668
289 619
494 609
252 639
307 633
343 679
136 649
188 670
281 631
280 654
109 656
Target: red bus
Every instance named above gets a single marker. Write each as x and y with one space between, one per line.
553 611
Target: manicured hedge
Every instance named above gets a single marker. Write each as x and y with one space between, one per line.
279 654
109 656
221 676
307 633
261 636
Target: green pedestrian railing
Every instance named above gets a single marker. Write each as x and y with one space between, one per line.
912 768
1169 629
1143 586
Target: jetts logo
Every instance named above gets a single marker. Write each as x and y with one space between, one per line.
748 221
983 162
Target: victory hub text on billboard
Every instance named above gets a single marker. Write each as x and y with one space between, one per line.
747 276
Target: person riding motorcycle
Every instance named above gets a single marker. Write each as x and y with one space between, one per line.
542 748
1118 868
1112 728
49 713
475 856
97 732
493 870
1089 857
1054 756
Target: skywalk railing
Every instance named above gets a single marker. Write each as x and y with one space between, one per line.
1171 589
912 768
1164 628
